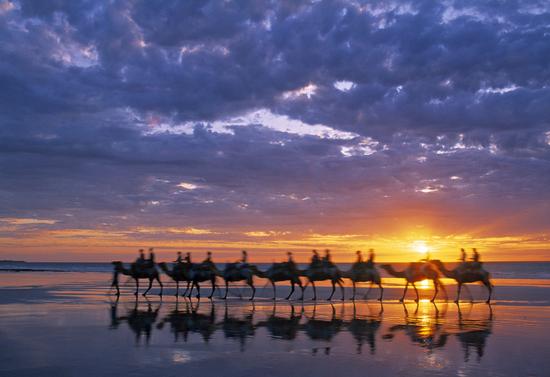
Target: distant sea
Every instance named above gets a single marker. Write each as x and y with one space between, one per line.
498 270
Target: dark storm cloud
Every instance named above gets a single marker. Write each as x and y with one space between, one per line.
431 91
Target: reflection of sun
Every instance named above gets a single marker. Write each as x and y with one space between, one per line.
424 284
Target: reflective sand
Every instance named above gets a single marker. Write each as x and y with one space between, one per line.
54 325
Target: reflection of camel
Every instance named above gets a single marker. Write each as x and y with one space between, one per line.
325 272
280 327
236 272
363 272
422 330
322 329
177 273
136 272
140 321
474 333
238 328
364 328
463 274
415 272
194 273
283 272
184 322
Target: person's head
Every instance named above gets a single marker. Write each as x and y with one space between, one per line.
358 252
315 252
474 250
151 249
371 251
208 254
462 250
327 251
179 253
245 253
188 254
289 253
141 251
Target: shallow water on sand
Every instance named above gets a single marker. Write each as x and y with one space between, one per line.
60 326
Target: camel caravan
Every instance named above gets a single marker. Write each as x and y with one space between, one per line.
190 274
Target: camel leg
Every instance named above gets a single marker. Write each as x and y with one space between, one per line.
404 292
416 291
353 290
489 286
303 289
148 288
198 290
213 289
314 290
191 290
177 288
332 293
291 290
186 289
341 290
226 289
381 292
436 290
137 287
274 290
251 284
161 286
458 290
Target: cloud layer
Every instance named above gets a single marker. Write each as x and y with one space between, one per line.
275 120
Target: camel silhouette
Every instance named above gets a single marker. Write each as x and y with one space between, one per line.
465 273
137 272
415 272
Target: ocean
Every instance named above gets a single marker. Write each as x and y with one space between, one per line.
498 270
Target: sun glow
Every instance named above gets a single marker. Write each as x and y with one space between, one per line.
420 247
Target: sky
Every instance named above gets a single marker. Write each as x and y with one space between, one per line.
274 126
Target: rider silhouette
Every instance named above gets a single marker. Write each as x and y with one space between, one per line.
188 258
315 259
178 259
370 261
462 255
141 259
327 260
151 259
359 256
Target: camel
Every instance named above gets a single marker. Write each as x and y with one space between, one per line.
235 272
415 272
283 272
363 272
194 274
325 272
136 272
462 274
177 274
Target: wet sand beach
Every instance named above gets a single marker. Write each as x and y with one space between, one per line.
54 324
